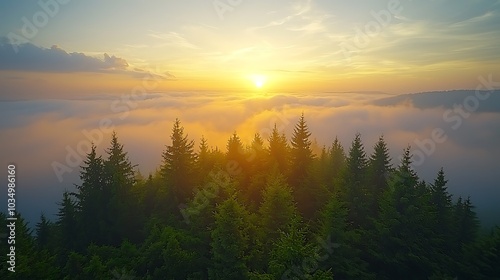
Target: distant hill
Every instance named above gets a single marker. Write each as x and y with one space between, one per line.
444 99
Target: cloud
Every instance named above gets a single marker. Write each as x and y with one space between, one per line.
30 58
469 155
33 58
173 39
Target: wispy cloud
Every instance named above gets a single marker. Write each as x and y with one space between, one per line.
173 39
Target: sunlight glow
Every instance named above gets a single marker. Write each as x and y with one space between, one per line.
259 80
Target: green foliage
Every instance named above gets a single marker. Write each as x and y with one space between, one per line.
91 198
481 259
43 232
256 212
354 189
67 224
178 165
301 153
337 159
229 241
379 167
278 151
278 209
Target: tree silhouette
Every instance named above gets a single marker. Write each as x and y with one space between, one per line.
177 168
255 212
278 151
379 167
354 191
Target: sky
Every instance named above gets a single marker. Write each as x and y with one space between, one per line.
390 45
72 71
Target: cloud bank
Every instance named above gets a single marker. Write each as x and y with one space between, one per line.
48 129
31 58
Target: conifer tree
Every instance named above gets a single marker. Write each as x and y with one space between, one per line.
323 168
43 232
353 190
337 156
67 224
257 156
178 164
466 221
151 195
122 218
260 222
30 262
480 259
90 203
308 191
258 172
236 157
406 237
293 257
203 161
119 170
229 241
442 214
441 200
378 170
278 151
342 253
337 164
278 208
301 153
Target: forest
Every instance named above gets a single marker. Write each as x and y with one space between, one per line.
269 209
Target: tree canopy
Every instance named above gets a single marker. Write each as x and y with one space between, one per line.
268 209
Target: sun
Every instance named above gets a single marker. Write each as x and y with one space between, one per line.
259 80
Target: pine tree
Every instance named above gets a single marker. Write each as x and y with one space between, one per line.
308 191
353 190
119 170
301 153
442 210
43 232
405 247
229 241
293 257
278 152
122 219
278 208
480 259
178 164
337 164
218 159
323 168
464 235
168 253
203 161
379 168
67 224
337 156
89 198
342 254
257 156
258 172
236 157
150 199
441 200
30 262
466 221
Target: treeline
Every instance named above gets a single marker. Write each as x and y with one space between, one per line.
269 210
